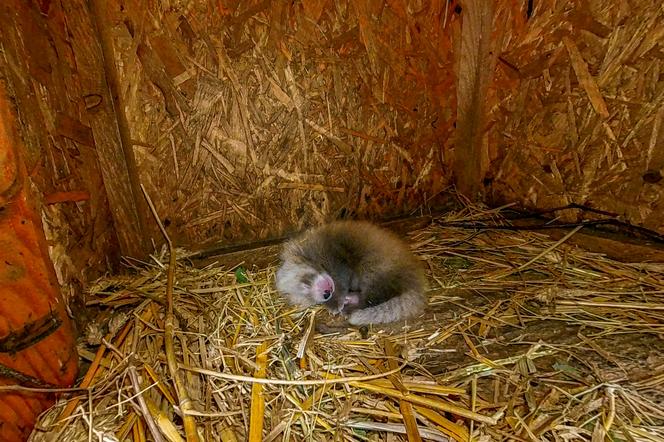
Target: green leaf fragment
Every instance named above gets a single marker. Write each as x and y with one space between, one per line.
241 275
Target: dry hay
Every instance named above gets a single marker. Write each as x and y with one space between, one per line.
527 339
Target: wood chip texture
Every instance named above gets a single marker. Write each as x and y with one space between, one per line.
577 109
57 90
252 118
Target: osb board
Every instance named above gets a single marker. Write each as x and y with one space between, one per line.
39 69
577 109
249 119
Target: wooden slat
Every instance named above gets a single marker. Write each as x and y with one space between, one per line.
114 154
474 73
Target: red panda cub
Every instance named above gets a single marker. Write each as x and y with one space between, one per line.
354 268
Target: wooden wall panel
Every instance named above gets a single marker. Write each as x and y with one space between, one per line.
250 119
577 112
253 118
41 71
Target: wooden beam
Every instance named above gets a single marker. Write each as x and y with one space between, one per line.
109 128
474 73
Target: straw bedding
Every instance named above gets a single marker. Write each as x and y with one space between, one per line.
525 339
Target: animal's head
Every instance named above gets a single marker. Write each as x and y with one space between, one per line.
303 284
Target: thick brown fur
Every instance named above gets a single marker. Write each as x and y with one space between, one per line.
376 277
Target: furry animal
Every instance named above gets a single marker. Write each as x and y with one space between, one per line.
354 268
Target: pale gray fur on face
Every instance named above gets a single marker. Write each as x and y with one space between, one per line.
368 264
289 282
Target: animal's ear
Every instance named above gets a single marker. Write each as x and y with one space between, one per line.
323 287
291 250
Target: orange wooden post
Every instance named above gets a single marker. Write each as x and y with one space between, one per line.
37 345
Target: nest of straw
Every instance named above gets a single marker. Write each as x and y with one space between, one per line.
525 339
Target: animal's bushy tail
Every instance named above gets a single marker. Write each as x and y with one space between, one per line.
406 305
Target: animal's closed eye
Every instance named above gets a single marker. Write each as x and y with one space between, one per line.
307 279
